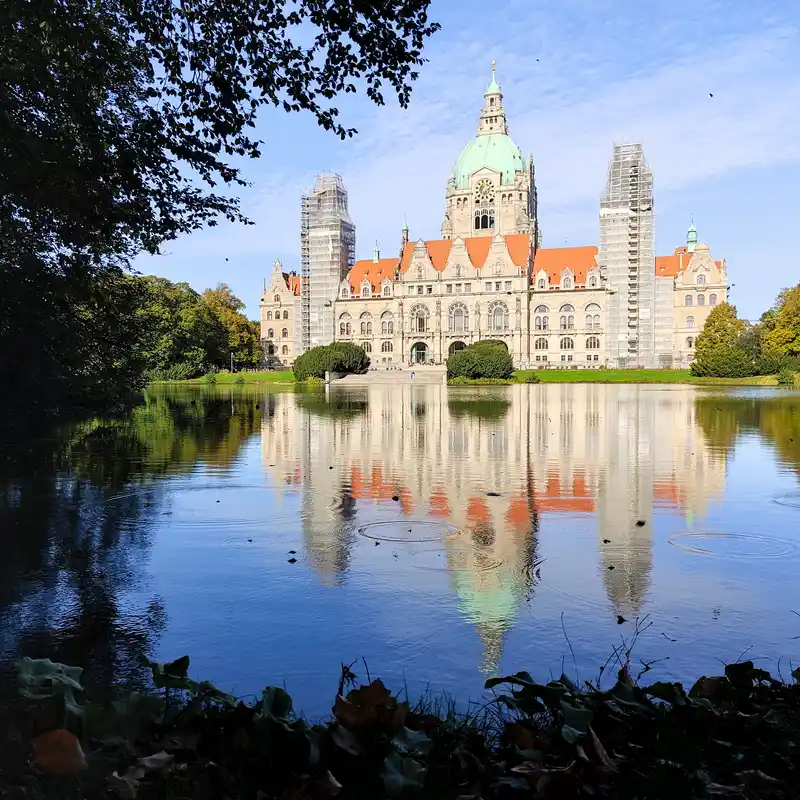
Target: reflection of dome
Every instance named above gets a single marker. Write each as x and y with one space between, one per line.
492 610
496 151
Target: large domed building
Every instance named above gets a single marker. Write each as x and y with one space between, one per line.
489 277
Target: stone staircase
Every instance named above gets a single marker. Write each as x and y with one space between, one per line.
422 375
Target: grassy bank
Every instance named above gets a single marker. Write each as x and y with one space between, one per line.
732 736
225 378
640 376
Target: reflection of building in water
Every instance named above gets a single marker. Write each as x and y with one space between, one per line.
612 451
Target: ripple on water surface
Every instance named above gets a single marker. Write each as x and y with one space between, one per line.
408 531
734 545
792 500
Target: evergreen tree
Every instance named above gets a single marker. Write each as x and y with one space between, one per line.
721 331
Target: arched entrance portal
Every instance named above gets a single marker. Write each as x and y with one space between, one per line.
455 347
419 353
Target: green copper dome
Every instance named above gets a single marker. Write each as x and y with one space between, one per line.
496 151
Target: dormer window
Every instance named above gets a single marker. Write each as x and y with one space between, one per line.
701 280
542 283
566 283
366 290
387 289
345 293
277 298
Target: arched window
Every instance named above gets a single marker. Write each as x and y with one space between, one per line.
269 315
566 282
690 322
284 333
366 324
386 347
366 290
277 298
387 323
542 310
712 299
498 317
566 309
286 315
285 350
689 342
687 301
419 319
345 293
566 321
270 349
541 323
593 281
540 343
345 327
367 347
701 300
387 289
271 333
542 283
458 319
592 343
567 343
701 280
593 317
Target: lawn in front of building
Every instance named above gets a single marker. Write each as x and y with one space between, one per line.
639 376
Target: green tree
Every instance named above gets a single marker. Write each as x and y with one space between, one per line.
119 120
783 335
184 335
722 330
243 334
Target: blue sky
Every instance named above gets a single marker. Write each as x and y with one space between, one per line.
607 70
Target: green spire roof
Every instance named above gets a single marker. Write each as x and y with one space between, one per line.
691 238
494 86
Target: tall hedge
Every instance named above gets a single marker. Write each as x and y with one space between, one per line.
337 357
487 359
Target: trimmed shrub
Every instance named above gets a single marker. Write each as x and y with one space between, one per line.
337 357
487 359
724 362
787 377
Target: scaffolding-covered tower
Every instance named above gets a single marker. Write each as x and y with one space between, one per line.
627 252
327 252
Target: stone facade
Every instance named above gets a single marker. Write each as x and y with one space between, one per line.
280 315
488 277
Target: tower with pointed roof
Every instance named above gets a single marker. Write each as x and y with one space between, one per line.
491 190
691 238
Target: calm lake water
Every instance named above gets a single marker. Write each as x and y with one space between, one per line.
441 535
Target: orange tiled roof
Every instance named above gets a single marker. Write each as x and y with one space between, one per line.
556 501
670 266
478 248
555 259
375 271
292 282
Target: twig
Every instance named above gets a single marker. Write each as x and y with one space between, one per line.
574 660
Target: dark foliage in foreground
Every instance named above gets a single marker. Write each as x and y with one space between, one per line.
729 736
123 125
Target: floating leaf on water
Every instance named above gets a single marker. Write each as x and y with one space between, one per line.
402 774
172 675
59 753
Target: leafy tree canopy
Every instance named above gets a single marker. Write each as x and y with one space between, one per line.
243 335
783 334
121 120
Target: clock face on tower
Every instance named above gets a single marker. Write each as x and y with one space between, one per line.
484 191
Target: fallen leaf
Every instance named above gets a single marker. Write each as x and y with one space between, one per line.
59 752
346 741
126 785
156 761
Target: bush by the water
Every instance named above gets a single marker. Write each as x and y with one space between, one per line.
486 359
733 735
343 357
787 377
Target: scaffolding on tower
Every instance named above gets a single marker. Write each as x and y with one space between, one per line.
327 253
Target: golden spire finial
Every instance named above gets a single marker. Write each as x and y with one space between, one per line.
494 64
